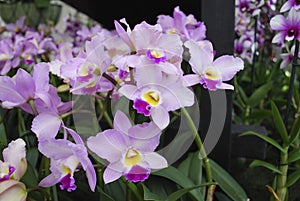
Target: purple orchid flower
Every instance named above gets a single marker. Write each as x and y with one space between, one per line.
14 164
129 149
290 4
209 72
18 27
6 56
18 91
186 26
65 158
288 27
155 95
287 58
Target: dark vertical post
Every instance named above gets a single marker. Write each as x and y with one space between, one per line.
219 16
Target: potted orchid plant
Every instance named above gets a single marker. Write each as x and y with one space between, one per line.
95 106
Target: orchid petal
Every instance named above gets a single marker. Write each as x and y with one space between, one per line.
228 66
25 84
121 122
278 22
15 154
46 125
155 160
111 140
160 117
113 172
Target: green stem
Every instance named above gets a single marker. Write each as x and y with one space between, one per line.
281 189
104 114
199 143
31 103
133 189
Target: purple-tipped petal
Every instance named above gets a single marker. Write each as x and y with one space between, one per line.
278 22
137 174
15 154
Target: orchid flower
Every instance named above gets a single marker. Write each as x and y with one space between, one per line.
18 91
185 26
6 56
14 162
66 157
155 95
288 27
129 149
290 4
209 72
12 168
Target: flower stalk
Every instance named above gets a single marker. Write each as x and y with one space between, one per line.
292 80
281 189
202 152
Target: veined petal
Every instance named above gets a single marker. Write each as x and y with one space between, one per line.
191 79
41 77
279 37
160 117
144 131
113 172
121 122
55 148
8 91
46 125
50 180
228 66
25 84
155 160
278 22
128 91
109 144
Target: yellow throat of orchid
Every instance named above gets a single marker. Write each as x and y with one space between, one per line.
152 97
132 157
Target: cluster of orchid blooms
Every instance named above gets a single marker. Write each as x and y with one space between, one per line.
287 25
251 22
143 64
264 12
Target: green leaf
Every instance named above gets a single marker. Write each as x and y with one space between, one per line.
295 131
178 194
293 178
221 196
192 167
227 183
116 190
279 123
149 195
179 178
294 156
265 138
104 196
32 156
258 163
3 138
42 3
259 94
